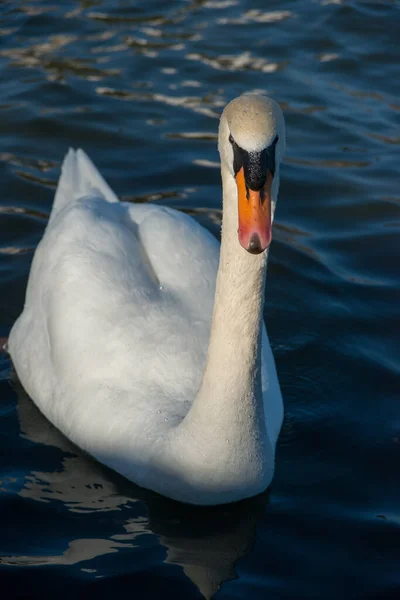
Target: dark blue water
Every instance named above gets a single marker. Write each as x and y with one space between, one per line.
140 86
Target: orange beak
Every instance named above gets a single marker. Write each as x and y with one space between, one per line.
255 227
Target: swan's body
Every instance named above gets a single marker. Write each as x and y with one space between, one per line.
114 347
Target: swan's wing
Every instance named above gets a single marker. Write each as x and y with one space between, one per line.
117 293
178 252
79 178
183 255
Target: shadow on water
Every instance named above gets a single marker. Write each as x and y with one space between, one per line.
205 542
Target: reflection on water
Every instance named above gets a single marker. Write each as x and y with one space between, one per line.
195 103
257 16
206 543
237 62
140 86
78 551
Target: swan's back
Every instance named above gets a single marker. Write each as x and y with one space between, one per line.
118 307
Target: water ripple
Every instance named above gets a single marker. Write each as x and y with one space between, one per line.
140 86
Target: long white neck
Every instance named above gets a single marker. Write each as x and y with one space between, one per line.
232 379
224 437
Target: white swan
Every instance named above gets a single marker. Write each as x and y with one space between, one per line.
121 343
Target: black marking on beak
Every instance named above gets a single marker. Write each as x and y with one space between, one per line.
256 165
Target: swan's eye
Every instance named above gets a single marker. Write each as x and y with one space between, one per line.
231 140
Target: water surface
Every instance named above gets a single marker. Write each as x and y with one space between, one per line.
140 86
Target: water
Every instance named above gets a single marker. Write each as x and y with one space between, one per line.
140 85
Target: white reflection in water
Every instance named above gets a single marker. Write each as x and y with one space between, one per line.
236 62
194 103
77 551
257 16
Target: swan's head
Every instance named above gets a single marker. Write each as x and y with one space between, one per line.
251 145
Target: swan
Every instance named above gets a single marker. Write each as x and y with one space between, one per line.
142 339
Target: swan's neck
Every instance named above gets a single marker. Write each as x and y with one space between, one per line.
234 354
229 404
